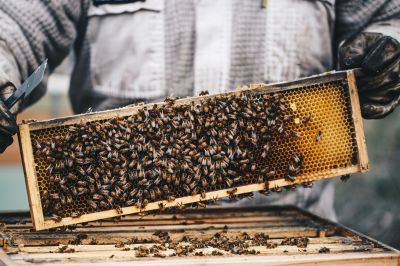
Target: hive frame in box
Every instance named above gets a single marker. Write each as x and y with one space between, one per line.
36 209
97 241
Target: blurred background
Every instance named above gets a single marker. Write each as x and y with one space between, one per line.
368 203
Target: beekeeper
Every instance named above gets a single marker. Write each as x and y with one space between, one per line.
128 51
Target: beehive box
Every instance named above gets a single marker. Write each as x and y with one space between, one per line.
274 135
282 235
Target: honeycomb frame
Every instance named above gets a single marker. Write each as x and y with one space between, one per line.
340 121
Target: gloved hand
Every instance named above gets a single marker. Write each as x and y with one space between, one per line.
8 123
379 58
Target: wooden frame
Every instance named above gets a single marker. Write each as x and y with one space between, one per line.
25 129
347 247
362 147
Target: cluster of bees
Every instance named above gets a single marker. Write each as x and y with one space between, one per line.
216 245
165 151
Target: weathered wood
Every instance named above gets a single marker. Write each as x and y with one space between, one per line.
32 188
5 260
359 128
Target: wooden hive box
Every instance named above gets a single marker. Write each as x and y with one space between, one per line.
323 126
292 237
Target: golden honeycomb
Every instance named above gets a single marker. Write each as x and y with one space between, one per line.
322 115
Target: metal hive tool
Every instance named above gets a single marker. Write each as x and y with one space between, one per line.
316 133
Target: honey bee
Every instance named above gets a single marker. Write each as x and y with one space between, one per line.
37 145
193 185
52 144
307 118
69 162
76 214
82 190
69 199
228 182
80 170
201 205
232 191
296 158
237 179
50 169
126 186
214 200
181 206
265 192
55 196
186 188
205 92
290 177
63 200
294 169
345 178
57 207
195 191
213 181
152 194
103 204
264 154
318 136
73 129
308 184
161 206
119 210
157 191
105 192
292 187
82 183
118 191
170 198
56 218
233 197
97 197
110 201
45 194
277 189
92 204
130 202
296 134
90 169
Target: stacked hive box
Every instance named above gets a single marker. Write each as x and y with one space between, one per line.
268 235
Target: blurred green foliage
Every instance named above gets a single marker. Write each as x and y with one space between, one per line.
370 202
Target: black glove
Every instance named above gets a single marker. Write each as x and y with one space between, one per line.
8 123
379 58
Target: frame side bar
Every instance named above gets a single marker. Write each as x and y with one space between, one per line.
358 123
32 188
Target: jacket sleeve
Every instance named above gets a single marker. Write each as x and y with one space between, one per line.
355 16
32 30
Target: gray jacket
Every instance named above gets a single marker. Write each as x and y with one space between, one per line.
146 50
